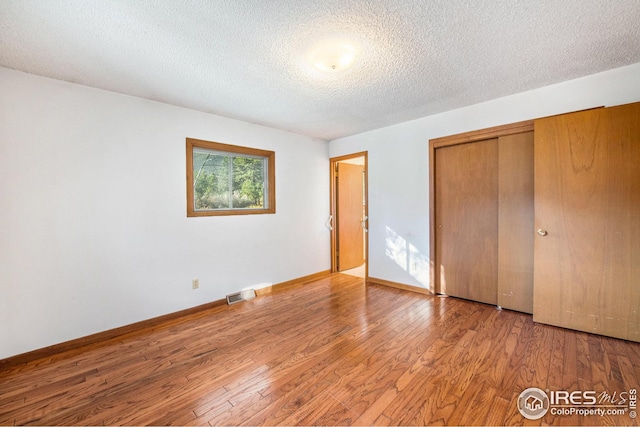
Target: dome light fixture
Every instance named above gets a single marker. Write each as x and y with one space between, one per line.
332 56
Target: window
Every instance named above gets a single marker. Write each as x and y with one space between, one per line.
226 179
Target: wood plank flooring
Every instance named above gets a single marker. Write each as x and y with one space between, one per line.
330 352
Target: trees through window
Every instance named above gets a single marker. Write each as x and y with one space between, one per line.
225 179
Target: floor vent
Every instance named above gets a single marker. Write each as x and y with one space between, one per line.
241 296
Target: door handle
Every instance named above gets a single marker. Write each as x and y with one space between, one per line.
542 232
329 222
364 224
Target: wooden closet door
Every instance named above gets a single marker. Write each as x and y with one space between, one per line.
587 200
515 222
466 194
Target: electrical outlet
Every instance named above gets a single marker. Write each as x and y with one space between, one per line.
195 284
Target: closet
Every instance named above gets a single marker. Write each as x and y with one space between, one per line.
483 215
543 217
587 221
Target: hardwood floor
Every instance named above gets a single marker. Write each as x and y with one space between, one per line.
330 352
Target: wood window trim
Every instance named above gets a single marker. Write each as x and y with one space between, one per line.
192 143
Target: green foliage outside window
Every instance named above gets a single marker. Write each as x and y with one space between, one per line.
223 181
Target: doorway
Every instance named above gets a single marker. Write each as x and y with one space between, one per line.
349 216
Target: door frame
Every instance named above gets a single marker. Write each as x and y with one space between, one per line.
333 209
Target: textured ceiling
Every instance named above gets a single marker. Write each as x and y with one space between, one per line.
244 59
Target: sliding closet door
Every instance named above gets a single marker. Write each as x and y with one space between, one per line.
587 213
466 217
515 222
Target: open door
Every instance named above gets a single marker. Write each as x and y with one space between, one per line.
350 216
349 209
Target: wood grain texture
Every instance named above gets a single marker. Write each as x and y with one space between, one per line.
398 285
483 134
587 197
294 282
463 138
104 336
144 325
515 222
350 214
331 352
467 220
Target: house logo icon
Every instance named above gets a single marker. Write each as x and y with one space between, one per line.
533 403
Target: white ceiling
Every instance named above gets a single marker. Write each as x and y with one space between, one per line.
244 59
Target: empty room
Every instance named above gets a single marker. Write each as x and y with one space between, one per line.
292 212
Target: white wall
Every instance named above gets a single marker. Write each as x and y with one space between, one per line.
93 227
399 163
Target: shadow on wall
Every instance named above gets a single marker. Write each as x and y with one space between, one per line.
407 257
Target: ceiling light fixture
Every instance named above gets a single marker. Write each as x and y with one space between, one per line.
332 56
